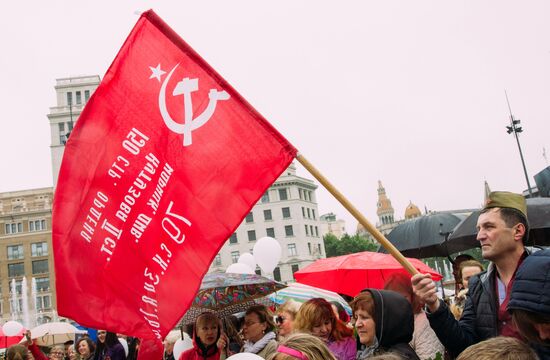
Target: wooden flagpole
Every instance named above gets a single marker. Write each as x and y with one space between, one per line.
362 220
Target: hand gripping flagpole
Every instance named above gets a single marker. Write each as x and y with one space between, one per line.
356 214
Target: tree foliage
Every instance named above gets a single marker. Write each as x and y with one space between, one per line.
348 244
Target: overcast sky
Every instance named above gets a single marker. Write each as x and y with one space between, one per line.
407 92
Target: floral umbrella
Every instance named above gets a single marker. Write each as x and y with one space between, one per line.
226 294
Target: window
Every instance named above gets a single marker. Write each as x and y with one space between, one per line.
303 212
43 284
289 231
43 302
234 256
258 272
233 238
307 231
265 198
267 215
18 286
292 250
295 267
69 98
78 97
316 231
277 274
15 252
283 195
319 248
17 269
86 95
309 248
313 213
308 213
39 266
218 260
39 249
301 194
251 235
250 217
37 225
286 212
14 228
270 232
62 135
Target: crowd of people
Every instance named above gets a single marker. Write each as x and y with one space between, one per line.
108 346
502 312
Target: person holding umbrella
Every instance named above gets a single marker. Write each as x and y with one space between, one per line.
502 231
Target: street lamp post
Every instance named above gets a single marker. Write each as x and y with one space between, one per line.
516 129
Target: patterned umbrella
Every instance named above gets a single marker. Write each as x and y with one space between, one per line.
227 294
302 293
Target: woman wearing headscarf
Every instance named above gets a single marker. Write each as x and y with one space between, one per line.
384 323
424 342
317 317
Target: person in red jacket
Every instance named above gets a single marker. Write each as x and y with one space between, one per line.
208 341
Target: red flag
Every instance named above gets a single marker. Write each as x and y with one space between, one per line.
164 163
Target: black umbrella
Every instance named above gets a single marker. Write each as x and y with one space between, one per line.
538 215
424 236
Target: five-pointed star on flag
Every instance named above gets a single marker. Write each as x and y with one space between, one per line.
156 72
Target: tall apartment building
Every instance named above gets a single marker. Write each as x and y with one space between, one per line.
287 212
72 95
331 225
25 235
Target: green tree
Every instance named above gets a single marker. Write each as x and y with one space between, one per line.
348 244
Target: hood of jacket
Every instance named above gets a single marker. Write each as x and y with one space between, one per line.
531 286
393 317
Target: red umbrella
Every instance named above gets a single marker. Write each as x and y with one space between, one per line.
349 274
7 341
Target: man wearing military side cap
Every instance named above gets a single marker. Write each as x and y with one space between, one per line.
502 231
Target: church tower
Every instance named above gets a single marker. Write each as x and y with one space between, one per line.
384 210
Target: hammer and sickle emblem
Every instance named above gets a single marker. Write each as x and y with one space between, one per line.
185 87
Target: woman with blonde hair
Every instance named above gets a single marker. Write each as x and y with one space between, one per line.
286 314
303 347
317 318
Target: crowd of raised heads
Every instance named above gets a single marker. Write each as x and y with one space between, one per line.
108 346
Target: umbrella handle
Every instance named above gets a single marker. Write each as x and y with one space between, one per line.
356 214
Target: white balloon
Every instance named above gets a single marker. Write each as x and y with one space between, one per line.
247 259
267 253
245 356
11 328
239 268
182 345
124 344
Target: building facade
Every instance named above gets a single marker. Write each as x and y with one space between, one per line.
331 225
72 95
26 261
287 212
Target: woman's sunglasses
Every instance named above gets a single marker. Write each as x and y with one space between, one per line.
279 319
